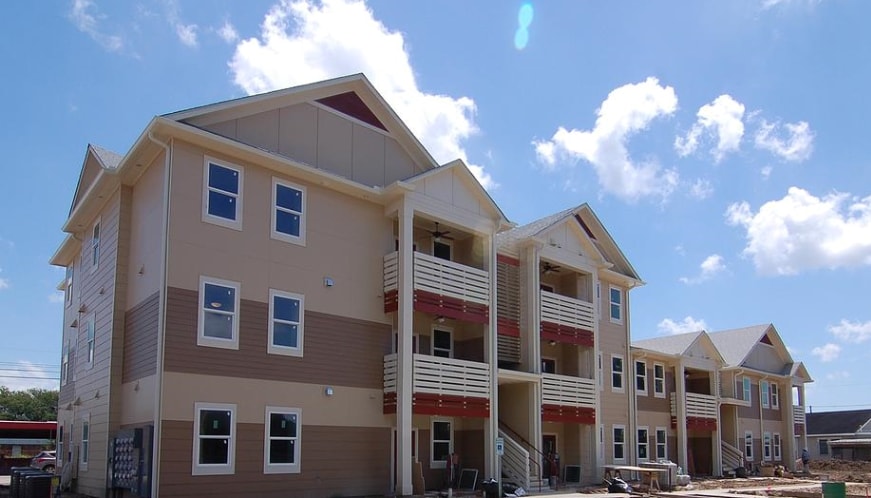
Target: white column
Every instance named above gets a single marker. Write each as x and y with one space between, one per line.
405 358
681 405
716 437
491 432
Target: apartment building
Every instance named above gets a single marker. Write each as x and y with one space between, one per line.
285 294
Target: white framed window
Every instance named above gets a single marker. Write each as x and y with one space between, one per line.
442 249
442 442
775 396
222 193
442 342
748 446
617 373
548 365
95 246
282 440
214 439
288 211
59 454
616 296
777 446
661 443
90 340
286 323
619 433
659 380
764 395
746 384
600 371
766 446
65 364
219 313
86 441
642 444
68 286
824 446
641 378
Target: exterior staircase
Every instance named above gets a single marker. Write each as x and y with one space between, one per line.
732 458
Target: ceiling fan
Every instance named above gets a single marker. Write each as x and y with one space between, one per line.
549 268
438 234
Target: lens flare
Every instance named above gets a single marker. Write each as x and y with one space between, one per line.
521 38
524 20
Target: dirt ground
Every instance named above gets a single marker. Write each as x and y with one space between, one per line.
857 475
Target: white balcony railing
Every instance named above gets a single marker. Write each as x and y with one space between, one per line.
567 311
442 277
568 391
449 376
698 405
798 414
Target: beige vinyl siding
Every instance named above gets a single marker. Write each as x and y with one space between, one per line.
613 339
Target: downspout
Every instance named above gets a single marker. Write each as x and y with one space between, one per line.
633 413
161 323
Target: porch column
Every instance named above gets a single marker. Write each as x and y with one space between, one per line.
680 403
491 432
717 435
405 358
790 452
803 405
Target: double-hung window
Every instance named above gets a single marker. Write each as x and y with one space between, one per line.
659 380
288 212
95 246
616 296
642 444
286 320
68 298
90 338
619 442
777 446
219 314
747 394
766 446
282 445
442 443
222 194
617 373
764 394
86 441
65 364
442 343
214 439
748 446
775 396
661 450
641 378
59 454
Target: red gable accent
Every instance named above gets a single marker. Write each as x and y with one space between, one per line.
350 103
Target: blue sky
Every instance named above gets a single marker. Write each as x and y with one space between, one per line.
721 143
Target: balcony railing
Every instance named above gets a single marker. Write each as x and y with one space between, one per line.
441 277
798 415
442 376
567 311
698 405
568 391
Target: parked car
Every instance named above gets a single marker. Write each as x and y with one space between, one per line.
45 461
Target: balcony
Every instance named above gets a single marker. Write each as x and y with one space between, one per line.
798 415
441 287
701 411
565 319
568 399
441 386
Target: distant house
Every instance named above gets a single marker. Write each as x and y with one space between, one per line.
844 435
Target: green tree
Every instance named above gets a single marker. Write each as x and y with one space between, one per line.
33 404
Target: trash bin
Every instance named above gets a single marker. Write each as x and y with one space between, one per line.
490 488
834 489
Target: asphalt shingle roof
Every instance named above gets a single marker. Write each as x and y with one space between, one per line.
843 422
670 344
735 344
110 159
509 237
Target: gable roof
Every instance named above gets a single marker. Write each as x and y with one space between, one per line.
841 422
670 344
97 159
736 344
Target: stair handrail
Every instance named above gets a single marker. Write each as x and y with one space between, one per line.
530 447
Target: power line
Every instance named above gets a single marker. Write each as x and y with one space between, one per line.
28 377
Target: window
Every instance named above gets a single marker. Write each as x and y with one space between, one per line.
641 378
616 305
286 317
90 345
764 395
599 369
824 446
659 380
775 397
214 438
69 285
661 448
642 444
86 440
748 446
59 454
442 345
766 446
746 389
441 249
222 196
288 213
442 442
282 447
218 322
616 373
548 365
65 364
619 442
777 446
95 246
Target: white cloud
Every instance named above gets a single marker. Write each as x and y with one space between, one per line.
802 232
56 297
688 324
228 32
301 42
723 118
827 353
626 111
854 332
87 18
680 250
839 375
796 147
710 267
767 4
26 375
187 33
701 189
4 282
766 172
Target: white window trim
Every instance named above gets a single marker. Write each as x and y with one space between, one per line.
442 241
282 468
441 328
748 455
764 394
775 396
415 344
639 443
199 469
659 394
95 246
65 364
766 445
217 220
611 302
215 342
59 454
555 363
433 463
614 442
746 388
600 371
85 445
69 284
285 350
777 446
91 341
622 387
298 240
664 443
636 377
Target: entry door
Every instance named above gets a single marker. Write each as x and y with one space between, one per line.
548 447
